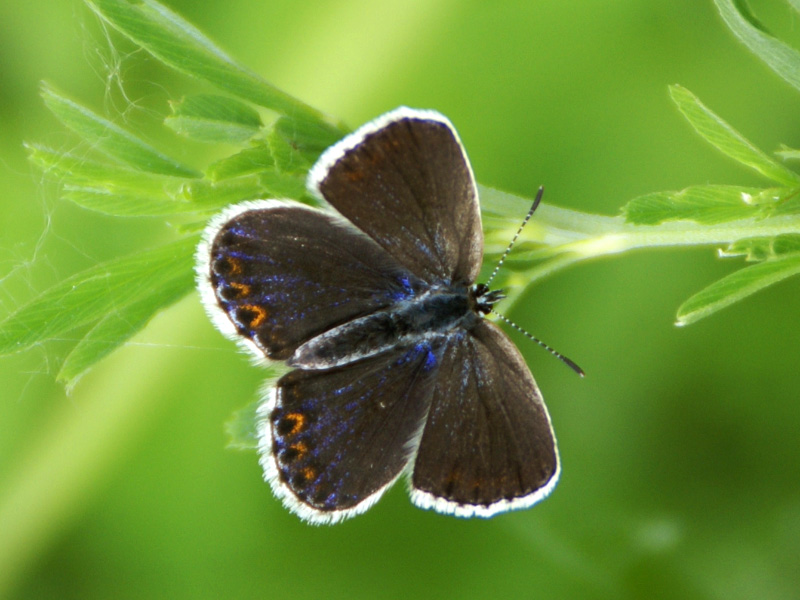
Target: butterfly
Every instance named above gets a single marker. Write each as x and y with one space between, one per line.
372 304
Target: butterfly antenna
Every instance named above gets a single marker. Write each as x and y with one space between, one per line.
516 235
570 363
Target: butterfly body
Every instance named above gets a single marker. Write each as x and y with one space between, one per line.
428 317
374 307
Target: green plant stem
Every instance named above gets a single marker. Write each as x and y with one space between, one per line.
570 236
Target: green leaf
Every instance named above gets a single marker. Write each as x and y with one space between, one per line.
241 428
91 295
707 204
782 59
787 153
121 324
726 139
310 139
795 4
177 43
281 185
214 195
287 158
737 286
121 203
112 189
763 248
110 139
209 118
247 162
789 204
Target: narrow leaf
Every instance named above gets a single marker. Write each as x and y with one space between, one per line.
707 204
782 59
121 324
206 195
726 139
183 47
283 185
113 189
287 158
787 153
126 203
241 428
310 139
89 296
763 248
737 286
247 162
111 139
209 118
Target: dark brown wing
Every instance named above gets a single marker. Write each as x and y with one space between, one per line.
277 273
487 445
405 180
333 440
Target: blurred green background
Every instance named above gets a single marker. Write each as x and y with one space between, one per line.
680 449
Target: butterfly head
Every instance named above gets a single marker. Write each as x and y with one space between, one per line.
485 298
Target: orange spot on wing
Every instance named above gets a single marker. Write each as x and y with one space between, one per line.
256 315
236 266
300 448
242 289
292 423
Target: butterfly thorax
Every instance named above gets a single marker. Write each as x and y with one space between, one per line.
427 318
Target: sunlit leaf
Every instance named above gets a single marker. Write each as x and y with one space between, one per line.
782 59
787 153
707 204
247 162
283 185
177 43
91 295
287 158
111 139
763 248
728 140
737 286
209 118
241 428
309 138
119 325
212 195
113 189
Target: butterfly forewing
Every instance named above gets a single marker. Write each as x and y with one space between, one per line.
283 272
405 181
487 445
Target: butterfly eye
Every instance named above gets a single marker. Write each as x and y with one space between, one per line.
480 289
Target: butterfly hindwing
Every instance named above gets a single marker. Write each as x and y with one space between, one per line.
410 168
331 441
487 445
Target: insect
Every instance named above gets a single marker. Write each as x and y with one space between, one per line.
374 307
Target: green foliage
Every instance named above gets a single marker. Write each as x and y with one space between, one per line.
782 59
210 118
241 429
115 299
120 174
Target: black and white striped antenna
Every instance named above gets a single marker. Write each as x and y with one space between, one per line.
567 361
